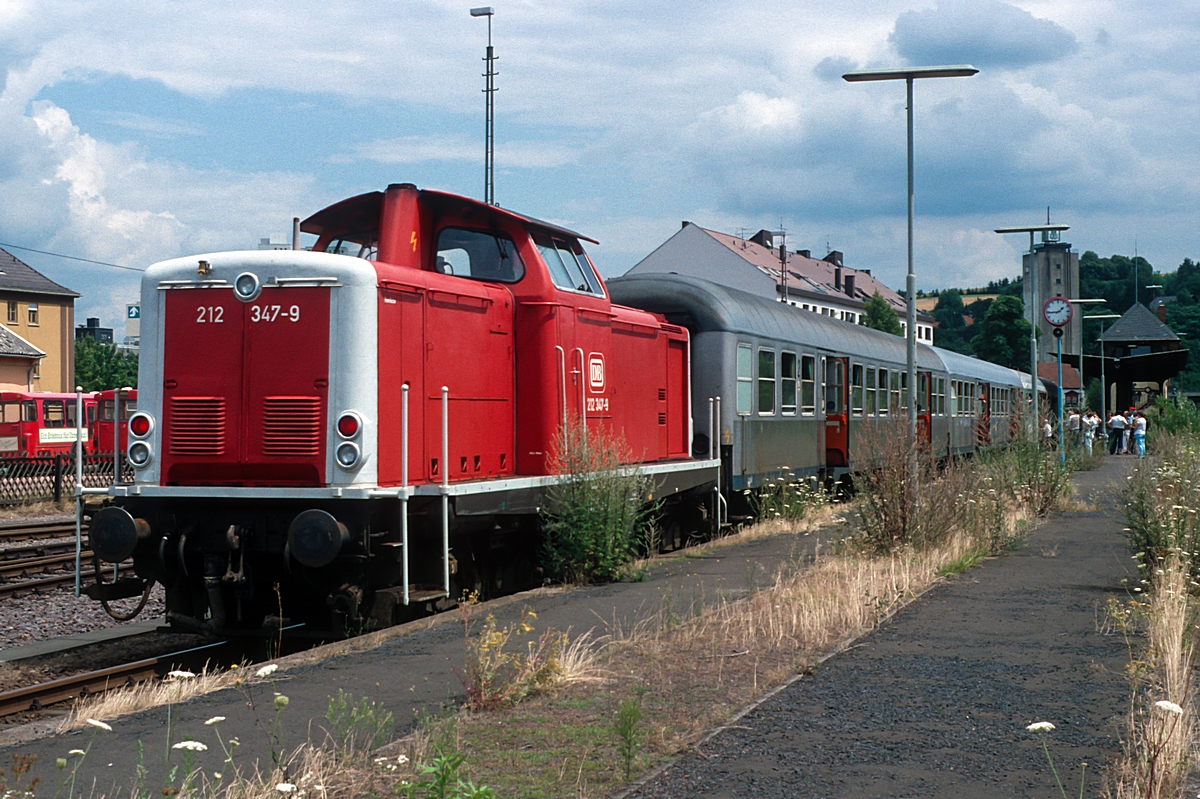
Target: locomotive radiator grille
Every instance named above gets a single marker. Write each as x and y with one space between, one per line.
197 426
291 426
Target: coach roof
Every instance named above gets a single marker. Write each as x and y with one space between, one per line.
707 307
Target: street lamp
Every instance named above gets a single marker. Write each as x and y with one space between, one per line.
910 292
1033 305
489 131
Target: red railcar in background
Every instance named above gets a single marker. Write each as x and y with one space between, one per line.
100 420
33 424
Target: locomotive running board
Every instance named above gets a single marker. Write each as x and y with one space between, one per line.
498 495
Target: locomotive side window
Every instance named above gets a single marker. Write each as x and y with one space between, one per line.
808 385
745 378
479 256
581 261
787 386
566 273
766 382
871 408
357 245
856 389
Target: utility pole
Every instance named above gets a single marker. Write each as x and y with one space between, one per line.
489 90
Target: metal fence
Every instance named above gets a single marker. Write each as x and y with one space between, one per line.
53 477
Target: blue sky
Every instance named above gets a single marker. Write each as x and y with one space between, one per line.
135 132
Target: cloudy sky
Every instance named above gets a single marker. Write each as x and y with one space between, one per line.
132 132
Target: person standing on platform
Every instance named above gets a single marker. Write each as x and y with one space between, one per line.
1116 433
1139 434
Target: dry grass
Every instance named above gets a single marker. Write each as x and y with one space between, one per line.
1160 737
34 510
143 696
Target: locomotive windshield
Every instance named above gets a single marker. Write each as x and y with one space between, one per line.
358 246
478 255
569 267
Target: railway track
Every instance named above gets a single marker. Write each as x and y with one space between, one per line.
23 531
39 697
30 567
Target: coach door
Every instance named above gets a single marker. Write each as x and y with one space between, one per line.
983 415
924 408
837 428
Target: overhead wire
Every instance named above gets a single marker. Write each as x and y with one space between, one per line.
72 257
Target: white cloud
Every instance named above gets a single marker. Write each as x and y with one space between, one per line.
420 149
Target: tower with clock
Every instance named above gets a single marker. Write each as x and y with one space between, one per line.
1058 276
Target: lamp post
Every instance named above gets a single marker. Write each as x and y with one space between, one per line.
910 291
489 132
1034 297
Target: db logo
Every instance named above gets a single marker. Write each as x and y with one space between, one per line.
596 372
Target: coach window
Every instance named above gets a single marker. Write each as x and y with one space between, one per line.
835 385
808 385
52 413
941 397
29 411
871 406
478 256
787 384
766 382
856 389
895 401
745 379
883 392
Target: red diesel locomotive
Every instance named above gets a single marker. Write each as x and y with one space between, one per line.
369 425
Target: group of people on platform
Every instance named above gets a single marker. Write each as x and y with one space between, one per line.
1126 432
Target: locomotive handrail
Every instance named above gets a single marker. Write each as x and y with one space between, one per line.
283 281
548 303
582 392
445 490
562 388
404 486
403 288
174 284
602 315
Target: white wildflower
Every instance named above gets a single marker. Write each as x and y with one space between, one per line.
1169 706
79 752
267 671
285 787
1040 726
100 725
191 746
180 674
214 720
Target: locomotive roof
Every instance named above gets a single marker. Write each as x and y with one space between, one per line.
362 213
710 307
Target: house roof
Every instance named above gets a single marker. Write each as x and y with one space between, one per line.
811 274
1070 381
16 275
1138 324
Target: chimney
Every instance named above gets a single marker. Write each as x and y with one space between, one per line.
850 285
834 257
837 278
1162 313
764 238
804 253
685 224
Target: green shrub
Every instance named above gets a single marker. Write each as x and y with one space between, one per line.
597 519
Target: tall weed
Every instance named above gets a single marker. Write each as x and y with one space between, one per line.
597 518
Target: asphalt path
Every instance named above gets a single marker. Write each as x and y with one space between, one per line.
409 670
935 702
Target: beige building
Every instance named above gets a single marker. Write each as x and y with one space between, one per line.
37 340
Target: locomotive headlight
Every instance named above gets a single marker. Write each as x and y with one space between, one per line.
246 286
139 454
141 425
348 454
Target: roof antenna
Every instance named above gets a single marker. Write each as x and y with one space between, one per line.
1047 214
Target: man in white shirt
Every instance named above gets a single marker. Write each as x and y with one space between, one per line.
1116 427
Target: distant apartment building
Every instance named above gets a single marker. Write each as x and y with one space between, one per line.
818 285
37 342
92 330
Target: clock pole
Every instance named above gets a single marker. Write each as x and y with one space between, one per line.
1062 449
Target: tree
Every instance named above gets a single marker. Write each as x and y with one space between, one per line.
100 366
1003 335
878 314
952 328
